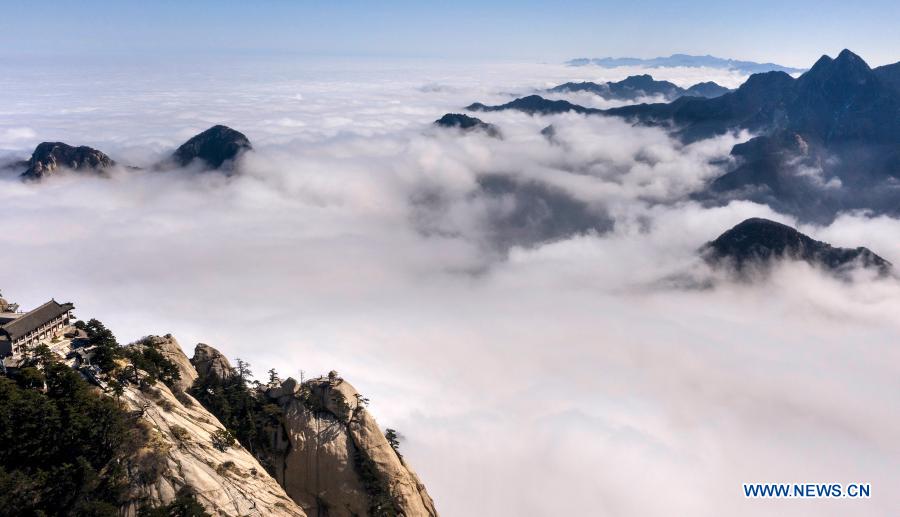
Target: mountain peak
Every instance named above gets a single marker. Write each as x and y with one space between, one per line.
215 146
48 157
847 55
823 62
757 242
765 87
467 123
847 67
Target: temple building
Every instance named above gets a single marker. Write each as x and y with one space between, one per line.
20 331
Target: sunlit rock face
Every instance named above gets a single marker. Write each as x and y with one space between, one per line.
336 459
226 481
328 452
209 361
170 349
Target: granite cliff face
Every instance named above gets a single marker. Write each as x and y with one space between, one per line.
327 451
196 433
209 361
226 481
327 455
320 443
336 460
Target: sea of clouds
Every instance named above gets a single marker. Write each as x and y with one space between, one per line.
601 373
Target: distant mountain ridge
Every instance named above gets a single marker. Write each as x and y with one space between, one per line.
828 141
685 60
637 86
535 105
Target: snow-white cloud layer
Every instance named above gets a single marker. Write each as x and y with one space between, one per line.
571 376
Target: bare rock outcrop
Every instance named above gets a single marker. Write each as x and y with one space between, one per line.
228 482
336 459
215 148
209 361
48 157
168 346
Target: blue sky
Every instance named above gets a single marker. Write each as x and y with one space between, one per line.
790 32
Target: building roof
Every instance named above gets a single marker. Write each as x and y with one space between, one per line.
32 320
6 317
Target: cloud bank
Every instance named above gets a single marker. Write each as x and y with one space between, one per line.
553 371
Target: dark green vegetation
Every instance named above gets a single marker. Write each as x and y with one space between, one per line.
381 503
144 355
222 439
149 359
393 438
184 505
249 418
107 348
69 450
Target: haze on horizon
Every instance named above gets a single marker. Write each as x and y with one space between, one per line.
788 33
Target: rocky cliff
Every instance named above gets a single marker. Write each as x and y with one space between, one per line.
209 361
226 480
151 431
327 451
49 157
335 460
215 148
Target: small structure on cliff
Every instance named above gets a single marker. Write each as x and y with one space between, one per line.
22 331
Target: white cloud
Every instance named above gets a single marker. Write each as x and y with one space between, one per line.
14 136
562 380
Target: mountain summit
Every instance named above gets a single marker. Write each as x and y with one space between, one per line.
216 147
467 123
756 243
49 157
828 140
